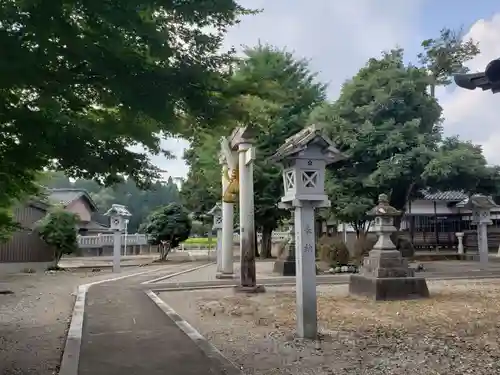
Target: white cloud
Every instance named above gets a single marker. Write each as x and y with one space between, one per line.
337 36
475 115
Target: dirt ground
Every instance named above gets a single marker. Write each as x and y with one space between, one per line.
34 319
456 331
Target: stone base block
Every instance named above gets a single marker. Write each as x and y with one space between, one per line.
387 289
224 276
250 289
285 267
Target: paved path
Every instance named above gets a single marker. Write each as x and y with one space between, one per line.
125 333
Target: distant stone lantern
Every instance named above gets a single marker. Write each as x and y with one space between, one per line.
481 206
385 274
304 157
118 218
216 213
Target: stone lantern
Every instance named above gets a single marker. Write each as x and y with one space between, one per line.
385 274
216 213
118 218
304 157
481 206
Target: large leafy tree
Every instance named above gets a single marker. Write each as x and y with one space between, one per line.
274 92
82 81
167 227
278 91
202 188
388 125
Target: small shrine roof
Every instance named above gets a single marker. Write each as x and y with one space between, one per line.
478 201
118 210
300 141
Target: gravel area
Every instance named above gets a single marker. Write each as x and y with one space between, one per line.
456 331
35 318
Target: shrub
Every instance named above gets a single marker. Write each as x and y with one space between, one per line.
58 229
333 251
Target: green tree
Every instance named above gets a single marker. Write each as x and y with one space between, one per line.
279 92
202 188
389 127
83 81
446 55
59 230
167 227
274 92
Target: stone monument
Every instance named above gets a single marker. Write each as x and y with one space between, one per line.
216 213
285 264
118 215
304 157
481 206
385 274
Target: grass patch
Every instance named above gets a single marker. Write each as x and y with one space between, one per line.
200 240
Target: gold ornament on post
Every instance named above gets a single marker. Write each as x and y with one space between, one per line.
233 188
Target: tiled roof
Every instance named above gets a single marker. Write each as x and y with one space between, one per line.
66 196
444 195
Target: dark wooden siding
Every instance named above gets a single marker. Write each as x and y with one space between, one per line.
25 245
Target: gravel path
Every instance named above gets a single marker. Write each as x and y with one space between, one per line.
35 318
454 332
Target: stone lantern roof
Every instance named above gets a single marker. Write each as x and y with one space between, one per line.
118 210
216 210
383 208
300 141
478 201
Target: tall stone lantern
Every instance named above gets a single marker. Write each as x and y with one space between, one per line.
481 206
385 274
304 157
118 218
216 213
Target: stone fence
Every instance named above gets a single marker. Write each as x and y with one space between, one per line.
137 239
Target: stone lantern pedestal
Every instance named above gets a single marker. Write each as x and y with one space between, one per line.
385 274
285 265
118 215
216 213
481 206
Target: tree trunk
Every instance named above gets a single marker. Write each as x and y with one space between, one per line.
165 250
57 257
160 249
265 250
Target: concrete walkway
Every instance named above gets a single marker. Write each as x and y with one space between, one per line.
125 333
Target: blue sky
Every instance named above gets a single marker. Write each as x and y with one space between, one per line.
339 36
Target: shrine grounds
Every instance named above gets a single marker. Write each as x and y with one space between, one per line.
456 331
